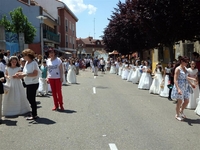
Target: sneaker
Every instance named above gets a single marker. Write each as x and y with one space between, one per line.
182 115
178 117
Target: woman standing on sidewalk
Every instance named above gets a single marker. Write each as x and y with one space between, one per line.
31 73
55 78
180 90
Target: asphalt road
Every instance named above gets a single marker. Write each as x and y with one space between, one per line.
103 113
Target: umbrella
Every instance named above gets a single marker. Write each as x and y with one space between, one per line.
68 53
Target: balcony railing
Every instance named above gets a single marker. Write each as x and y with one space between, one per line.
51 36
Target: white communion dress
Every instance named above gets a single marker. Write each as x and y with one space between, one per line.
15 101
195 94
165 91
145 80
155 86
71 75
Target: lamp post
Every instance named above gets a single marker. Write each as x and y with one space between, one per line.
41 33
80 46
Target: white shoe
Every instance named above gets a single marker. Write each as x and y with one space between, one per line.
178 117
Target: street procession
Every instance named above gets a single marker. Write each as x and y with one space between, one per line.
132 85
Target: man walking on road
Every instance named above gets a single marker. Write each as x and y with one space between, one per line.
95 62
102 64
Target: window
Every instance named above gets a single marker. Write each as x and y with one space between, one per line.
66 25
58 20
66 40
59 36
70 25
70 40
73 28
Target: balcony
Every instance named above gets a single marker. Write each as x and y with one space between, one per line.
51 36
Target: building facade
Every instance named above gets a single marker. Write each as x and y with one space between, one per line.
66 23
87 47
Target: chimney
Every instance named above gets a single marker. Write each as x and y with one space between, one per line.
90 38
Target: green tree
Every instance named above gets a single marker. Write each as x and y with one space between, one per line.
139 24
19 24
6 23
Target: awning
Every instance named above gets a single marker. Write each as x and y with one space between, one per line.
114 53
67 49
62 51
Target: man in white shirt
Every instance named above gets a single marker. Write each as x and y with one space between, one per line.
102 64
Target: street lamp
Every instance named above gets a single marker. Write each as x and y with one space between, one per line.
80 46
41 33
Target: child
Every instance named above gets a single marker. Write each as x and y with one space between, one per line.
15 102
43 86
2 80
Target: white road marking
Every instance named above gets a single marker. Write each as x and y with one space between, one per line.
113 146
94 90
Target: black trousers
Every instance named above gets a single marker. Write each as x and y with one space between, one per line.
102 68
170 90
31 96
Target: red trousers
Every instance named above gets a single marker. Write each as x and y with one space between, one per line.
56 87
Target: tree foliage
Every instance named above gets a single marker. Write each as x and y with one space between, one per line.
137 24
19 24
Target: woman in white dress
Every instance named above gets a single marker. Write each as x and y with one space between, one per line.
135 77
15 101
165 91
155 86
193 73
146 79
71 76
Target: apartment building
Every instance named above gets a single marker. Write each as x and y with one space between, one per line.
66 23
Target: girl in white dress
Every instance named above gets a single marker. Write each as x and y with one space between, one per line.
108 64
64 70
165 91
131 68
155 86
135 77
197 110
15 101
120 69
193 73
71 76
146 79
113 68
125 72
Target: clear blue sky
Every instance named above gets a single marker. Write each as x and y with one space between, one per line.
92 15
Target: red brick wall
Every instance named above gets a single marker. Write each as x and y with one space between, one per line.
35 47
62 30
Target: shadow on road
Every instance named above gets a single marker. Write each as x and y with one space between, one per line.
191 121
43 121
68 111
101 87
10 122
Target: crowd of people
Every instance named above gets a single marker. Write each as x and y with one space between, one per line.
178 81
25 75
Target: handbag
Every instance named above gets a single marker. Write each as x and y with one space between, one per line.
170 86
162 84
